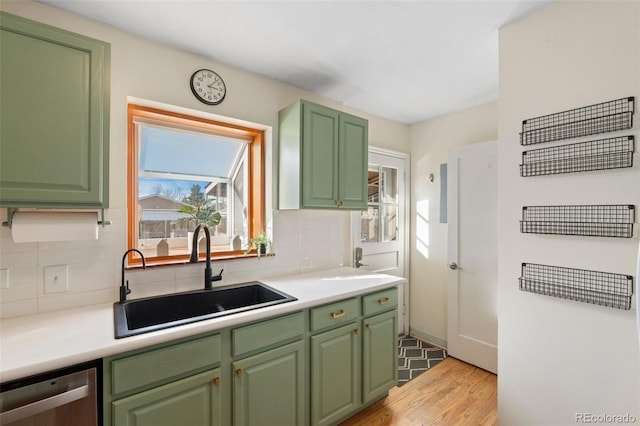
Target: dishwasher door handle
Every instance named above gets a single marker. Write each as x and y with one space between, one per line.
43 405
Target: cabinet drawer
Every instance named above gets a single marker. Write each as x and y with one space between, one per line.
267 333
334 314
143 369
380 301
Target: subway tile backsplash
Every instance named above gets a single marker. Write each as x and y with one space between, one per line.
304 241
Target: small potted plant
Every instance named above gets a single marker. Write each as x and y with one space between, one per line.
261 242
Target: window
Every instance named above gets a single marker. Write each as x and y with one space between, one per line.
379 223
185 170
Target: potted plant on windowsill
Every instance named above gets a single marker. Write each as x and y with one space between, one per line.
262 244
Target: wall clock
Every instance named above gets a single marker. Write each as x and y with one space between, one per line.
208 87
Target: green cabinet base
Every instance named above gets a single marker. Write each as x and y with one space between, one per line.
318 366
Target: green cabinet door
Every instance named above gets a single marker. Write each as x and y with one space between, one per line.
54 116
195 400
335 374
320 152
352 176
269 388
380 355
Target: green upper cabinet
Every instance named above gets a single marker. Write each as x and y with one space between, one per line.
323 158
54 116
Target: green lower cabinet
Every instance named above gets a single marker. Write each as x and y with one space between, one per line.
269 388
318 366
380 355
335 374
195 400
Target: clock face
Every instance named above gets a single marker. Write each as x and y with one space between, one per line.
208 87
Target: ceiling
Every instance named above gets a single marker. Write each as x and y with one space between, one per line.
406 61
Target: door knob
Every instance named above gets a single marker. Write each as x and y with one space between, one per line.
454 266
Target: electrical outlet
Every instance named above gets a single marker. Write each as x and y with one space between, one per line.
56 279
4 278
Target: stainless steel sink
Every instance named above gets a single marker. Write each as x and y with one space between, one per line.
155 313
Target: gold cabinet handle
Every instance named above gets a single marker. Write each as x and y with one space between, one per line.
340 314
239 373
217 381
368 326
384 301
357 331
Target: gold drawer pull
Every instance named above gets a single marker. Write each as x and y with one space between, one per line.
216 381
239 373
340 314
357 331
384 301
368 326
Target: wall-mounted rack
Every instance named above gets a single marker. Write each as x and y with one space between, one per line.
588 220
598 288
601 154
604 117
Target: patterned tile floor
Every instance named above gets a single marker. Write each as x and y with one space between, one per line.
415 357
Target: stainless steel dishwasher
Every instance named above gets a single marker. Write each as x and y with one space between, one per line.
63 397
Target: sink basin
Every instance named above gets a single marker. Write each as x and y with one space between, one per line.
155 313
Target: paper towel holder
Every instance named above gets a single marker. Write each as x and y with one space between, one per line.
12 210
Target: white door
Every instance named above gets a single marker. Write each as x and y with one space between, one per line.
380 233
473 254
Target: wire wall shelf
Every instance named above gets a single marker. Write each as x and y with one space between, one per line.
592 220
601 154
598 288
590 120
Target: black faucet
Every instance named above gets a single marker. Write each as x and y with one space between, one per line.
208 277
124 288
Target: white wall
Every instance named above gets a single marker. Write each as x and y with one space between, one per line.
430 144
154 72
558 358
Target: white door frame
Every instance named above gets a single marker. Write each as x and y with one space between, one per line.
405 157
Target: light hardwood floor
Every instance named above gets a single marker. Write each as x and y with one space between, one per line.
451 393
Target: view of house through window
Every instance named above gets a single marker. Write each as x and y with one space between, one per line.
187 173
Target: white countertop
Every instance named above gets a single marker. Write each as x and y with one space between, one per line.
43 342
